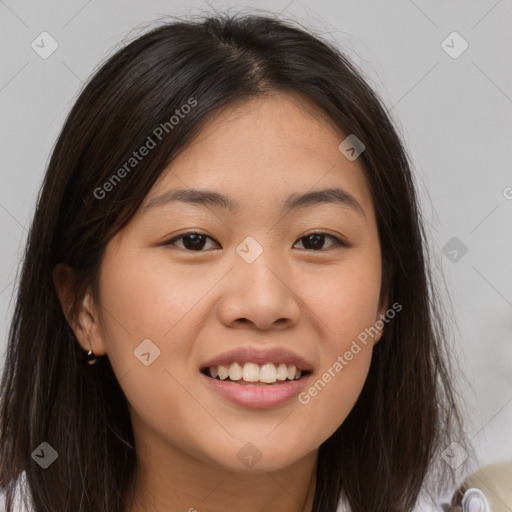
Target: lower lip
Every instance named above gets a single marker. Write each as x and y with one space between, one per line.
256 397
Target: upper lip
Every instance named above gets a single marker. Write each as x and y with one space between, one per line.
259 356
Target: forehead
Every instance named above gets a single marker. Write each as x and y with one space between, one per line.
268 147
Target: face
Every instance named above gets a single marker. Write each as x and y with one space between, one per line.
274 281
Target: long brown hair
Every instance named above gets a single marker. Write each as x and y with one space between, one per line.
381 457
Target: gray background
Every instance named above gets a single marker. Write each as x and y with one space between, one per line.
455 115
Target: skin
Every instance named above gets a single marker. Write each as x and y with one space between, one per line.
194 305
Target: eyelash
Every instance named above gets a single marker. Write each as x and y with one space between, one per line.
338 242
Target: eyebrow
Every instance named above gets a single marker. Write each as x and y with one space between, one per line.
334 195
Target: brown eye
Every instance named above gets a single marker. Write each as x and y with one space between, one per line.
315 241
192 241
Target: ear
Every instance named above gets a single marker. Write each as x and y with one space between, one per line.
379 322
83 319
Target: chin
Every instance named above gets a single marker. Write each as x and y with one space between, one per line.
257 456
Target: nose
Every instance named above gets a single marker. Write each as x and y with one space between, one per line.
260 294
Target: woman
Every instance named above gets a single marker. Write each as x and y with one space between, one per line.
229 232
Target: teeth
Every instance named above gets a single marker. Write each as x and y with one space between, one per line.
223 372
282 372
235 371
268 373
252 372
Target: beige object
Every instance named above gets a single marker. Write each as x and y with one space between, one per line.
495 481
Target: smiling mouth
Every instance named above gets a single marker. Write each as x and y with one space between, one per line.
249 373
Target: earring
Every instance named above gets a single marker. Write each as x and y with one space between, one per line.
91 358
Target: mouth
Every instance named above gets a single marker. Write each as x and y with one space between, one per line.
253 374
253 378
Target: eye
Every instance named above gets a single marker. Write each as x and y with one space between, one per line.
315 241
194 241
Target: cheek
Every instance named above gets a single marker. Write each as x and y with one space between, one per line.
137 309
139 304
346 307
145 298
335 388
346 302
